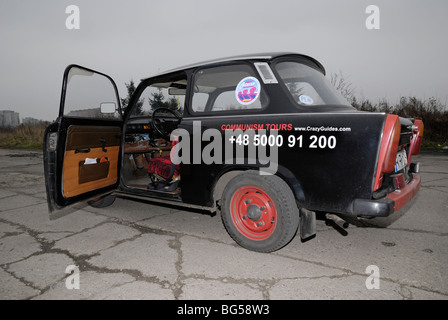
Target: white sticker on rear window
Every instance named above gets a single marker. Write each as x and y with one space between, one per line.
306 99
265 73
247 90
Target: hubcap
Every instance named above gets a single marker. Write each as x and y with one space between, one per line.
253 213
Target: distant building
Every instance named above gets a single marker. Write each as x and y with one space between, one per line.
86 113
31 121
9 119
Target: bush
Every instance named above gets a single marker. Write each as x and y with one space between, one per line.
25 136
431 111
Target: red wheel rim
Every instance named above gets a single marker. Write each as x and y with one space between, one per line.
253 213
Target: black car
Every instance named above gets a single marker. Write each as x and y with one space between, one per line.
263 139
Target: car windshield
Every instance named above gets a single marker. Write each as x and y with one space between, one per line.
308 86
170 95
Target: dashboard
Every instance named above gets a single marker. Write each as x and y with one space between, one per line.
139 126
140 137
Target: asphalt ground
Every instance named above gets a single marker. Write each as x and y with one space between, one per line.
138 250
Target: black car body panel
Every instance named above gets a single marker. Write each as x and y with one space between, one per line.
335 173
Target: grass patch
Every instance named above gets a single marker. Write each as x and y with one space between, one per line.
29 137
431 145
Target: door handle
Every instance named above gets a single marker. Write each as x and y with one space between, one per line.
82 150
103 144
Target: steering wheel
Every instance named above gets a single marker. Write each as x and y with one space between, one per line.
160 123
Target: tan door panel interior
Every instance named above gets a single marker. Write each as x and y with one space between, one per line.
91 159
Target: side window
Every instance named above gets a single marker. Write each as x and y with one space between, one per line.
227 101
199 101
226 88
90 95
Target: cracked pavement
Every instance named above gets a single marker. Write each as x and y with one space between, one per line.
137 250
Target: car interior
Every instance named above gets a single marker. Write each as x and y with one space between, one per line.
147 163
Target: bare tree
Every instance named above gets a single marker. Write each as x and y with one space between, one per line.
340 82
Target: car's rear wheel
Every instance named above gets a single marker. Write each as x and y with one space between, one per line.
259 212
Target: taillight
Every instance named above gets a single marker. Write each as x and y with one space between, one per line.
389 148
392 148
417 137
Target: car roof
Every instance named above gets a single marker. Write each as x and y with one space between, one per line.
259 56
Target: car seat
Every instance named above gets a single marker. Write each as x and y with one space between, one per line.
164 168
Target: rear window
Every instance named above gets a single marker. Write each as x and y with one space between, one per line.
307 86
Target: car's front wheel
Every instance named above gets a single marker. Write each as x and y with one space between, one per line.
102 202
259 212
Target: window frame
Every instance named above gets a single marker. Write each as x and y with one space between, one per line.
65 86
145 83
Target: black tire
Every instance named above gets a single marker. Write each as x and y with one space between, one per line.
259 212
102 202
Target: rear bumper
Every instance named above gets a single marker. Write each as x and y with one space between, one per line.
394 201
407 193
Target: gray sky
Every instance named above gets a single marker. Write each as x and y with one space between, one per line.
135 39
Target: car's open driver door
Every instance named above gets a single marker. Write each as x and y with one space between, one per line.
82 147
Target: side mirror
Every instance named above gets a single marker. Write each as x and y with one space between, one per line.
108 107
